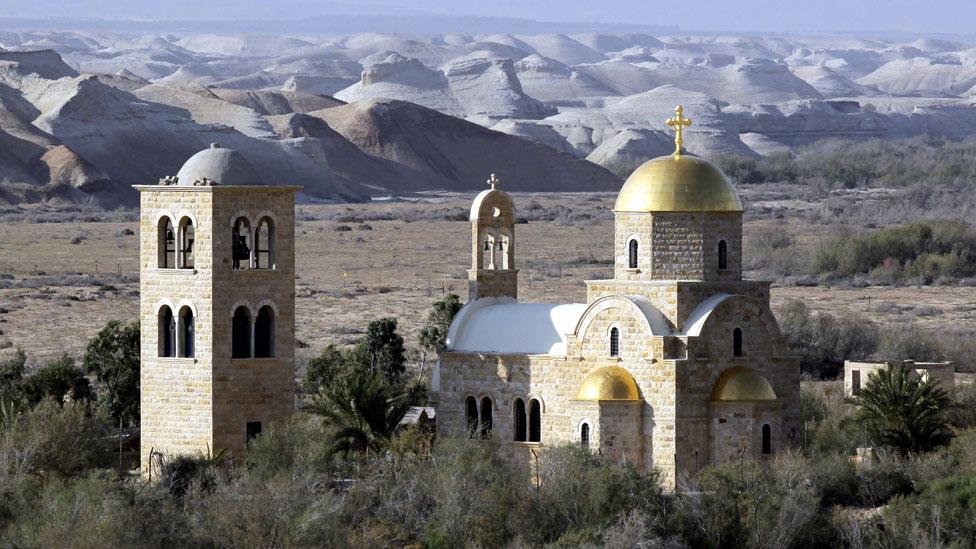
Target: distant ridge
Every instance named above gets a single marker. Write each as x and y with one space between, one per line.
334 24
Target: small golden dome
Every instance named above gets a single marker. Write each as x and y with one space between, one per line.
608 383
738 383
677 183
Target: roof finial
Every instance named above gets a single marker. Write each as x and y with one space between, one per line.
678 123
493 181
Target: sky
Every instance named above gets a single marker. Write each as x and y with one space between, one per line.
782 16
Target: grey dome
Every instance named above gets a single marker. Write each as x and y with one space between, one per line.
221 166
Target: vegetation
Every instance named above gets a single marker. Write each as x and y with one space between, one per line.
112 356
822 341
344 471
923 160
921 253
899 409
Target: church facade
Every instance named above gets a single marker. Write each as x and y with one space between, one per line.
673 364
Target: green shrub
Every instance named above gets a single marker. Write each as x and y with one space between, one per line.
822 341
60 380
112 356
54 440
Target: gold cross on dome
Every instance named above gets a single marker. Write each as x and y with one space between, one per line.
678 123
493 181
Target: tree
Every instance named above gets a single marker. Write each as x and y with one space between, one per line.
59 379
381 350
12 377
363 410
112 356
901 410
822 341
325 368
433 335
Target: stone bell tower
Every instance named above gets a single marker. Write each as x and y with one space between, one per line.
492 272
217 308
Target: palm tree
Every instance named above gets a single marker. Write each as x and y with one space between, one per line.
900 409
363 409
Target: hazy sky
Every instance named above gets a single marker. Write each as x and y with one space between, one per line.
794 16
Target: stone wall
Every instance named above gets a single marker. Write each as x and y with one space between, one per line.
492 283
942 371
678 245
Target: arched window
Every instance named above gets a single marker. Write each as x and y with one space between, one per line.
737 342
632 253
767 442
264 244
485 417
241 337
471 414
186 243
186 341
166 244
723 255
585 435
520 420
167 332
241 243
535 421
614 341
264 333
488 256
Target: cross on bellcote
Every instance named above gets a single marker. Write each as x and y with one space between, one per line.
493 181
678 123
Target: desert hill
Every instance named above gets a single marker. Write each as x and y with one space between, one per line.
128 108
458 151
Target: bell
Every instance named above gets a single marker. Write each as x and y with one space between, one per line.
169 236
501 246
487 246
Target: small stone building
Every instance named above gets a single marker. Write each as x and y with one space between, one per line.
674 363
217 307
856 373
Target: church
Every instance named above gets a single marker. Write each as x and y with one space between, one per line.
673 364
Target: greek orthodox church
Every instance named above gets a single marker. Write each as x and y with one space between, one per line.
673 364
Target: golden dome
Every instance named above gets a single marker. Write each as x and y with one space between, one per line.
677 183
740 383
608 383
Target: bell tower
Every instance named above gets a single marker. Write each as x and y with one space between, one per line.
492 272
217 308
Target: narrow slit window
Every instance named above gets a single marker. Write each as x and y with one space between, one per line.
632 249
264 333
167 244
767 440
520 432
585 435
241 337
167 333
723 255
485 417
535 421
614 342
187 342
241 244
187 237
737 342
264 244
471 414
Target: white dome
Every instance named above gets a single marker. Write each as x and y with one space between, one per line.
221 166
